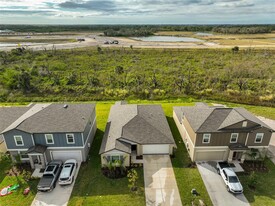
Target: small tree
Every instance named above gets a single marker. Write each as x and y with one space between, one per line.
132 179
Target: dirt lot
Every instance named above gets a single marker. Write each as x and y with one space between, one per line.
69 41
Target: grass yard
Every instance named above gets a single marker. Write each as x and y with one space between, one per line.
17 197
92 188
264 194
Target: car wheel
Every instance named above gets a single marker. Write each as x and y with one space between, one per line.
227 188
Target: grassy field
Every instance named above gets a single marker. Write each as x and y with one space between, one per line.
17 197
35 40
264 194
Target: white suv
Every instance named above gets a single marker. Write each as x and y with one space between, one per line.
231 180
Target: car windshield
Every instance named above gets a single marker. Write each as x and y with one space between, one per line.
233 179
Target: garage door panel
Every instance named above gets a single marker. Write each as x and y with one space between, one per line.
213 155
155 149
65 155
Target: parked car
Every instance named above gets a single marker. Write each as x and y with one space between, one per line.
68 172
106 42
229 177
115 42
50 176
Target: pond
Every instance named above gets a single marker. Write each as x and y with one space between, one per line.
167 39
204 34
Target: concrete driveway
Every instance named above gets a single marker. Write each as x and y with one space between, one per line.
58 197
160 183
216 187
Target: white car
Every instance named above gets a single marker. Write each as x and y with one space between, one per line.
231 181
68 172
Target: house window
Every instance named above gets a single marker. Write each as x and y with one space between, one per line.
234 137
259 137
23 155
70 138
206 138
49 138
244 123
114 158
18 140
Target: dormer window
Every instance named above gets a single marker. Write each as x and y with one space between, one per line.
244 123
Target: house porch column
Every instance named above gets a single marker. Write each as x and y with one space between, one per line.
230 156
31 161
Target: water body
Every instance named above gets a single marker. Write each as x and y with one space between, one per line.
167 39
204 34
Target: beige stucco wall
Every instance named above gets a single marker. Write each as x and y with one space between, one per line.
185 137
116 152
3 148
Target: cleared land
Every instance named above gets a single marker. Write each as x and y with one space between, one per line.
67 40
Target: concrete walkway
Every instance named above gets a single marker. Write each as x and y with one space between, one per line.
160 183
271 148
216 187
58 197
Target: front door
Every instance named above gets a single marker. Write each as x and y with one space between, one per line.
237 155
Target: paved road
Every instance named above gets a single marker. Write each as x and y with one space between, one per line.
58 197
160 183
216 187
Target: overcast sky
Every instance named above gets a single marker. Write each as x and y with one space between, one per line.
137 11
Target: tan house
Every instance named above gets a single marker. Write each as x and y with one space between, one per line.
133 131
220 133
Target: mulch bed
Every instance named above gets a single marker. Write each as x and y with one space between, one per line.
18 169
257 166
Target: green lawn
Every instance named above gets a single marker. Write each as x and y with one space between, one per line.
264 194
17 197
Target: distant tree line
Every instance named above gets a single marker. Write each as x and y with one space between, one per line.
141 30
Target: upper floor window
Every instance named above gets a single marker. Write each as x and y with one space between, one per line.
259 137
70 138
206 138
234 137
23 155
244 123
49 138
18 140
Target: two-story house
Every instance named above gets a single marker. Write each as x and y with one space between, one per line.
40 133
220 133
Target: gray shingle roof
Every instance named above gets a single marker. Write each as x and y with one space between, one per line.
213 119
44 118
8 115
142 124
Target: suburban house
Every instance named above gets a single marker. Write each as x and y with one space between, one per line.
220 133
133 131
40 133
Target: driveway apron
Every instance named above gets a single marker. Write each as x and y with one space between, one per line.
160 183
216 187
58 197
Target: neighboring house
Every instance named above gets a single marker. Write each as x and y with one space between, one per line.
220 133
133 131
43 132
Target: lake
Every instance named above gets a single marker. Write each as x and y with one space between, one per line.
167 39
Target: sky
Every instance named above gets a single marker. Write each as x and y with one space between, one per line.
137 12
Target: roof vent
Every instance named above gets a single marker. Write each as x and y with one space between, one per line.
65 106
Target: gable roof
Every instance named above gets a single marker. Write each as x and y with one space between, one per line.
9 114
214 119
142 124
51 118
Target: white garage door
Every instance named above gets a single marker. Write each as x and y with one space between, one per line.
204 156
156 149
65 155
